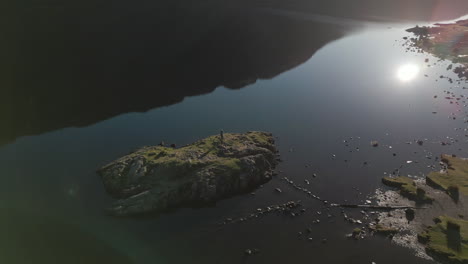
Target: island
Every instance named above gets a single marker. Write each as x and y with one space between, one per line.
159 178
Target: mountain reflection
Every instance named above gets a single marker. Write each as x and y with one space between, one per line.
75 64
79 77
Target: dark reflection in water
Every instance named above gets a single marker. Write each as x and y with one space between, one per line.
76 63
35 238
83 74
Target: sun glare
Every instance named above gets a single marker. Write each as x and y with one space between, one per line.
407 72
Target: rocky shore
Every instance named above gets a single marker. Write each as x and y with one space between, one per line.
435 230
444 41
158 178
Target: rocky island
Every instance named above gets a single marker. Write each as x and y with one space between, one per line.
158 178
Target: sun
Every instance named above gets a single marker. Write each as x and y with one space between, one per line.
407 72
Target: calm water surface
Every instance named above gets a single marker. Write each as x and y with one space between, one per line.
347 90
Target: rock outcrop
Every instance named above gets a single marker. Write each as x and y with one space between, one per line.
155 179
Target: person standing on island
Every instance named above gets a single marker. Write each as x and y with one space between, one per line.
221 135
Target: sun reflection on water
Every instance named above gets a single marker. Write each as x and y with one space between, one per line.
407 72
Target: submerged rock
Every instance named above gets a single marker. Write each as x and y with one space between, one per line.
155 179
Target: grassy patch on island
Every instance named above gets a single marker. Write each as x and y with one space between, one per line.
447 240
407 188
453 179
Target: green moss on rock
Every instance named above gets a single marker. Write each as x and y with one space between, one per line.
453 179
407 188
157 178
384 230
357 231
447 240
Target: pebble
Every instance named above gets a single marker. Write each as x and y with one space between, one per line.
250 252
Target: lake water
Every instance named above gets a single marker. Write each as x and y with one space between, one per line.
325 84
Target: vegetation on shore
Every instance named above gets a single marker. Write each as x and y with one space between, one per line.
383 230
408 188
447 240
453 178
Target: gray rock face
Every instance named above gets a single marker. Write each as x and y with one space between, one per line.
155 179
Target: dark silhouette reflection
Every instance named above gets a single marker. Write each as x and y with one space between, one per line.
75 63
78 76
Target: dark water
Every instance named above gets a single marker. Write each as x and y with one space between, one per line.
78 77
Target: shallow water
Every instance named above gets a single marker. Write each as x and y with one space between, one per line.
329 80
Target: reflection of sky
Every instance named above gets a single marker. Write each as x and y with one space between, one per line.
348 88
